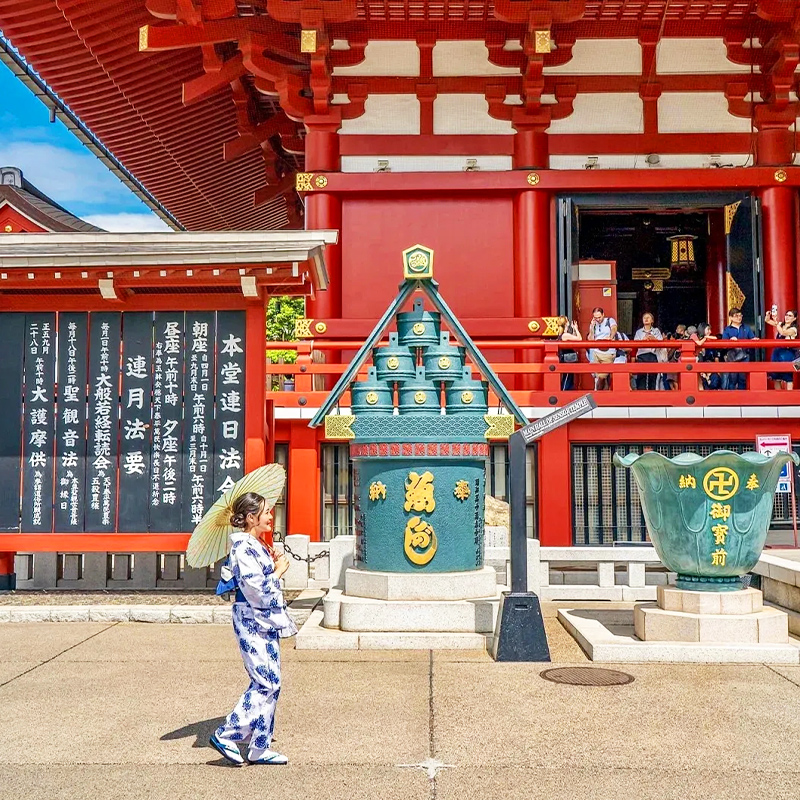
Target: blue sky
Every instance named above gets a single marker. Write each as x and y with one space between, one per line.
54 161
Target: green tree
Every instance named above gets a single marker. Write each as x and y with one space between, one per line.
281 315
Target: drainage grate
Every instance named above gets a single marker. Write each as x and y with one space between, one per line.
587 676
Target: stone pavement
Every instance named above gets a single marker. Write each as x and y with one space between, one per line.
94 710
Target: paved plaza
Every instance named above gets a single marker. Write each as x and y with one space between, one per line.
94 710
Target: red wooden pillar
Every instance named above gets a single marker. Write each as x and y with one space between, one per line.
255 426
779 207
555 489
324 212
531 241
304 481
715 273
8 578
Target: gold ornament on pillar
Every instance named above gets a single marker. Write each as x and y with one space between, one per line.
308 41
542 42
682 254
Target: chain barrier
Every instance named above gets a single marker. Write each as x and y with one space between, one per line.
308 559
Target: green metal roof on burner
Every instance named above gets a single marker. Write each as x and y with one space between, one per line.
431 288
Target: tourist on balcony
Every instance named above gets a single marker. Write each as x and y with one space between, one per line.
568 331
701 335
784 330
736 330
648 355
602 328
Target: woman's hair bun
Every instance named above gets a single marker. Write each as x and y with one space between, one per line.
238 520
249 503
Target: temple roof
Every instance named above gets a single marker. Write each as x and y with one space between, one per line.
207 103
23 196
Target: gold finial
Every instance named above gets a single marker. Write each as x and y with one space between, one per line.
418 263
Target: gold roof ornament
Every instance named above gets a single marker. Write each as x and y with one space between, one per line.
418 263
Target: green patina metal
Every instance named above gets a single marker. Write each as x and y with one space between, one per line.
418 327
419 395
444 362
372 396
419 468
707 517
394 362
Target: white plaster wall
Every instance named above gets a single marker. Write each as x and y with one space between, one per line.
386 58
698 56
601 57
698 112
465 58
425 163
466 114
603 113
386 114
678 161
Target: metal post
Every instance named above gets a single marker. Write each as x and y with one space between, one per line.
518 485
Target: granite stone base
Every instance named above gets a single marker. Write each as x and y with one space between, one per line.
653 624
686 616
421 586
607 636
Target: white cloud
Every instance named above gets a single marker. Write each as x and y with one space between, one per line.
127 222
68 176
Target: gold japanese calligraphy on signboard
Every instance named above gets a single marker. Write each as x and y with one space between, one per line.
419 492
377 491
420 541
462 490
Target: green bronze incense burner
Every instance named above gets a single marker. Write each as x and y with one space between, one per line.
707 517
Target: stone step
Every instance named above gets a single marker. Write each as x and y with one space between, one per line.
313 636
421 586
363 614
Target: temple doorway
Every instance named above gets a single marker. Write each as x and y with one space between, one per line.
648 278
685 258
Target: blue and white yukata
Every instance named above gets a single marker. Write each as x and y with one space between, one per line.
260 620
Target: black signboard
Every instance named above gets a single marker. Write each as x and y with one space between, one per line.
39 425
229 406
102 450
167 454
12 335
135 435
70 501
198 418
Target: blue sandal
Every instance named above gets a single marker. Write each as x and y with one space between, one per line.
228 751
270 757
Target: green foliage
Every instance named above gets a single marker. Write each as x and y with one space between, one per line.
281 315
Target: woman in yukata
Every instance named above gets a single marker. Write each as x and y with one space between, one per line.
260 620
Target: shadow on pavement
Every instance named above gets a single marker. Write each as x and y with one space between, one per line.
200 730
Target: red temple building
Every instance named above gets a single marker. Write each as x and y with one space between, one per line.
557 155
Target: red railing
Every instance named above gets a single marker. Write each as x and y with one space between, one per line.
535 376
